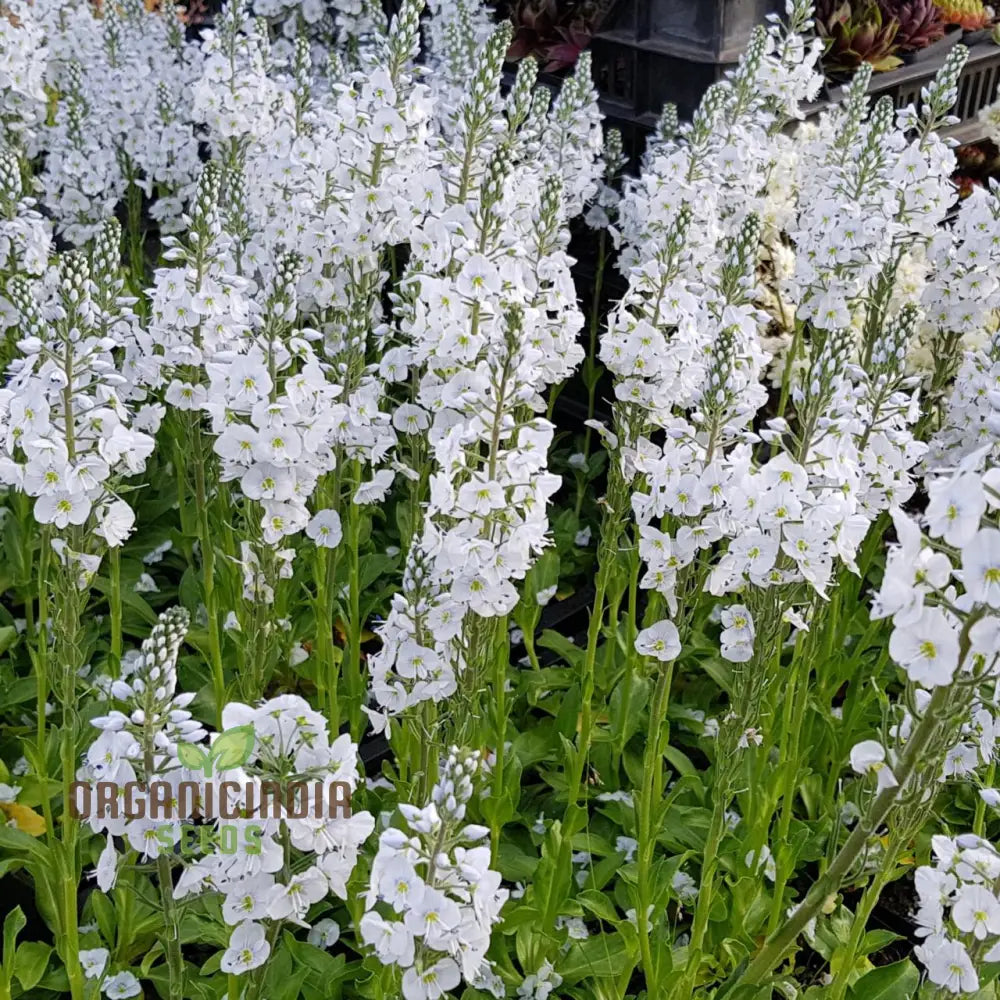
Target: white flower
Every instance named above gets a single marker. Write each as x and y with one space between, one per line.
431 982
868 757
661 641
981 567
948 965
107 867
121 986
248 900
324 933
248 949
325 530
976 912
115 522
146 584
927 649
375 489
545 595
93 961
955 508
295 898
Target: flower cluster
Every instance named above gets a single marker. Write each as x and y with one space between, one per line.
126 119
958 916
291 849
69 434
490 289
432 900
139 744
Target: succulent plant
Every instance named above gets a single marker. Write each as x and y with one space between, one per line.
856 33
969 14
920 22
554 32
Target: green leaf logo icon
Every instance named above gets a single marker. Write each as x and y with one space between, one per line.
231 749
192 756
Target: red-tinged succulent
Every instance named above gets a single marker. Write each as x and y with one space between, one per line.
856 33
920 22
553 32
965 185
968 14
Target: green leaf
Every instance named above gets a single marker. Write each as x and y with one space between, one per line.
8 636
104 914
12 839
192 756
598 904
30 962
567 651
212 965
233 747
318 961
514 863
13 924
875 941
600 956
891 982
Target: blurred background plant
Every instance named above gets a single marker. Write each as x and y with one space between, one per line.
972 15
555 32
857 33
920 22
881 32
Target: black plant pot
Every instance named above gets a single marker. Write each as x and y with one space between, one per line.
935 49
975 37
702 30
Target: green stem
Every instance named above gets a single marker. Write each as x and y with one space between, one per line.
208 581
590 365
796 703
71 931
860 924
41 664
979 823
115 603
649 798
172 929
783 940
68 654
574 783
706 889
328 668
352 666
501 710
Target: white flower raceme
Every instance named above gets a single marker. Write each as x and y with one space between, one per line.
432 900
965 302
66 432
25 235
488 287
125 119
290 744
959 911
138 744
684 343
22 68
